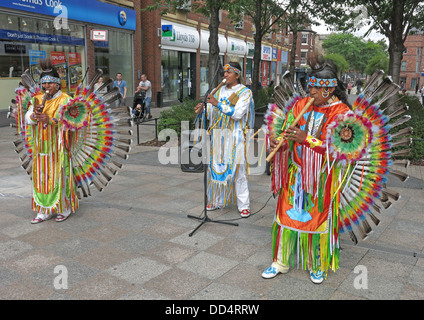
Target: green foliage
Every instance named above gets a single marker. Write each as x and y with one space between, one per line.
339 61
172 118
379 62
262 97
356 51
416 111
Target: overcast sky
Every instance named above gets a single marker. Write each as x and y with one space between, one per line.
374 36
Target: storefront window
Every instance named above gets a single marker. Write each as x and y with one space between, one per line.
26 40
115 55
204 74
170 77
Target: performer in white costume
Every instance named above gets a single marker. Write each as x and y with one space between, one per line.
230 112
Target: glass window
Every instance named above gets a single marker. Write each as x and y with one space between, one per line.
115 55
170 79
403 66
204 74
25 40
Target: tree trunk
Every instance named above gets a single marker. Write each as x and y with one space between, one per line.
396 43
292 67
213 44
258 49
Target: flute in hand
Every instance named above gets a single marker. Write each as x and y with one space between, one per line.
299 116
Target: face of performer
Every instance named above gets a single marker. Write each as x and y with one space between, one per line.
321 94
231 78
52 87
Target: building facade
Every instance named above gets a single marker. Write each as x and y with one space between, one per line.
412 65
176 51
79 37
119 36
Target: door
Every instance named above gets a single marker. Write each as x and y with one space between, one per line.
184 75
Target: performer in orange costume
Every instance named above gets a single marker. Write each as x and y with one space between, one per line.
303 225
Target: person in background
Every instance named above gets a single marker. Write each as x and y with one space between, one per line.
122 85
349 87
98 85
147 87
422 95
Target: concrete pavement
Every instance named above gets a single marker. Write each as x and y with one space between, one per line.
131 242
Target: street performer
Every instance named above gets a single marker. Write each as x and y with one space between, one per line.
54 190
230 111
303 221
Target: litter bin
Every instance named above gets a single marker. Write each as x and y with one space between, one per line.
159 99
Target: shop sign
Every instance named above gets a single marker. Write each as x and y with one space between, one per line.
92 11
167 31
98 35
236 47
204 42
274 54
266 53
284 56
183 37
39 37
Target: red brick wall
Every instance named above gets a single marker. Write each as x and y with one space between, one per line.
412 44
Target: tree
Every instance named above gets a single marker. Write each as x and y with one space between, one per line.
355 50
392 18
266 16
379 62
208 8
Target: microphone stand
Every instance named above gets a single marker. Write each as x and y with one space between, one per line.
205 168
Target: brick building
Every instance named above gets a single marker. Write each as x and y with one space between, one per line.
412 65
176 61
74 34
117 36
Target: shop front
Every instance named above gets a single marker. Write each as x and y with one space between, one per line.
266 58
179 46
60 30
249 62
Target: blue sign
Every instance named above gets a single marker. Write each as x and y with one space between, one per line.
91 11
35 56
274 54
284 57
40 37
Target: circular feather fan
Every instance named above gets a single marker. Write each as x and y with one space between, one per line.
349 136
76 114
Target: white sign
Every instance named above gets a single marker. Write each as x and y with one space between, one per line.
204 42
99 35
183 37
266 53
236 46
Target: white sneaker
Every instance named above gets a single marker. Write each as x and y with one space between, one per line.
274 270
317 277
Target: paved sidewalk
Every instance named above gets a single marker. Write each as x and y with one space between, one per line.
131 241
